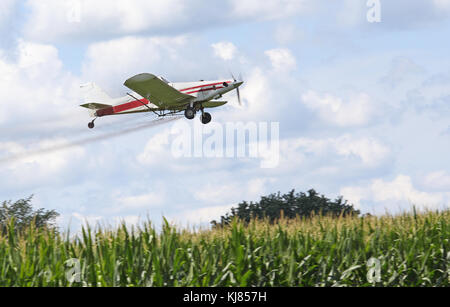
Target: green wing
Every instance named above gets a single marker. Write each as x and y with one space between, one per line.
157 91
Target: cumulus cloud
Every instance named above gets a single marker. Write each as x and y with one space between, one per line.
30 170
117 60
368 151
439 180
143 201
156 150
201 215
268 9
354 111
399 193
36 79
220 192
54 20
282 59
224 50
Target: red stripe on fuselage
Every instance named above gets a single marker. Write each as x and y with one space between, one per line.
122 107
200 86
205 90
130 105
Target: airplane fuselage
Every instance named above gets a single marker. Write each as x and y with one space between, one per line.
202 91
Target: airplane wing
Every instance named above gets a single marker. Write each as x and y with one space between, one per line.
157 91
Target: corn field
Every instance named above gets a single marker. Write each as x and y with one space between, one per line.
405 250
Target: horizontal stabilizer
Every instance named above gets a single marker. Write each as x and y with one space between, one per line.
95 106
214 104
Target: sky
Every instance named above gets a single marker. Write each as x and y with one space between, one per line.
358 93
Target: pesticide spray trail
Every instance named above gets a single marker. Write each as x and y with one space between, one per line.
39 130
102 137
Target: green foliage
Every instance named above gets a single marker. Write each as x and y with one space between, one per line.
289 206
411 250
22 215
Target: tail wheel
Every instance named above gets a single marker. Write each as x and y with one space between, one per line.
206 118
91 125
189 113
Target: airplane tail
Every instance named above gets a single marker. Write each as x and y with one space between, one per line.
94 98
94 94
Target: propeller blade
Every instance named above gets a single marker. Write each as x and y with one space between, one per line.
237 89
239 96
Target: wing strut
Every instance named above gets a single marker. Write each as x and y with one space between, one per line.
143 104
140 101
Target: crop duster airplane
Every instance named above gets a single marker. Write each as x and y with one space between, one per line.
157 95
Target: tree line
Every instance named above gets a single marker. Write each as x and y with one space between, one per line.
290 205
20 214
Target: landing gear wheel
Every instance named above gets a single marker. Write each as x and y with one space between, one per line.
206 118
189 113
91 125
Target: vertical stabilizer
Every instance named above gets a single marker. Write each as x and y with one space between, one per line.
94 94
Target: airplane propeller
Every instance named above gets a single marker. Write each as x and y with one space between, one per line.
237 89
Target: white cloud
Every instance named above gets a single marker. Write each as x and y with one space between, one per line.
156 150
216 193
368 150
354 111
439 180
141 201
442 4
220 192
257 96
393 195
202 215
91 220
401 189
282 59
129 220
24 167
224 50
268 9
53 20
35 58
36 80
119 59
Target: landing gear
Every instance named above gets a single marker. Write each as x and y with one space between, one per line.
91 125
189 113
206 118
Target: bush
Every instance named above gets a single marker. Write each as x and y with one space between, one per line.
21 215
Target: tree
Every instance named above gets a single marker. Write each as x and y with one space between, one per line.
290 205
23 215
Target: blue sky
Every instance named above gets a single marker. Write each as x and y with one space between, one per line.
363 107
